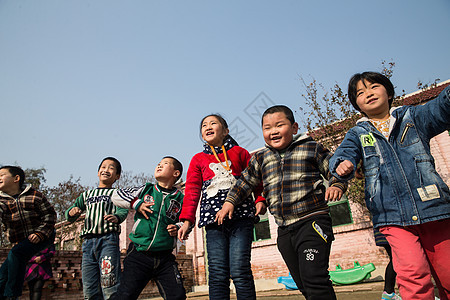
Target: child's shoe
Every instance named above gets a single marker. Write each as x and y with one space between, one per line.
392 296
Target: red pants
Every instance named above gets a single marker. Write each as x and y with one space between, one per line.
418 252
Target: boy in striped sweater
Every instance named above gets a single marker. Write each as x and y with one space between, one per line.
101 255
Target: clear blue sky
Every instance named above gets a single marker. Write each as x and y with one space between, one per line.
81 80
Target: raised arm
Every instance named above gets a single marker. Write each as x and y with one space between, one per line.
127 198
250 178
350 151
433 117
192 193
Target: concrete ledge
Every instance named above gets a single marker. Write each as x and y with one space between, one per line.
260 285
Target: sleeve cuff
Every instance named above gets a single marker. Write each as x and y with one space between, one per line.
340 185
261 199
230 200
136 203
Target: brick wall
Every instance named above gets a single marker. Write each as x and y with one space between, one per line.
440 146
66 282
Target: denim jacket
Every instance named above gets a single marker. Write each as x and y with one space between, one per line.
402 186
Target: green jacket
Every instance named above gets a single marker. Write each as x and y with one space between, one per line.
151 234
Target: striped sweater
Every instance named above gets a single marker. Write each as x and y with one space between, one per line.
97 204
292 180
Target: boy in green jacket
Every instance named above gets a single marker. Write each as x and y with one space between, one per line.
153 238
101 255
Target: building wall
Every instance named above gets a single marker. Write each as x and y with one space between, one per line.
125 229
440 148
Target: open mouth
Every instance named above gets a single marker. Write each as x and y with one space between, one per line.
275 139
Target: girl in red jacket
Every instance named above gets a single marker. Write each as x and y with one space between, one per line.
210 176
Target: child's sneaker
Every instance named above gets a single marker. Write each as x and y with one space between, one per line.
392 296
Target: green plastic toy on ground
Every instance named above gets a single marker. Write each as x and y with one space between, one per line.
350 276
339 276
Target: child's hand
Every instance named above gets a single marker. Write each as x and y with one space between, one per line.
144 208
227 210
37 259
345 168
333 193
183 232
261 208
111 218
74 212
172 229
34 238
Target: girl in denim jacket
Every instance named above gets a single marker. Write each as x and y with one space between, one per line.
409 201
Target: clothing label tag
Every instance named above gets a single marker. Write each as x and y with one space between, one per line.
367 140
430 192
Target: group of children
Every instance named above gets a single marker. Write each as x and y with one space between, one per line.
409 203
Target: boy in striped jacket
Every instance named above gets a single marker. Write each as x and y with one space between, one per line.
101 255
30 220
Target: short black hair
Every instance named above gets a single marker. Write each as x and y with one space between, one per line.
116 161
218 117
279 108
176 164
372 77
15 170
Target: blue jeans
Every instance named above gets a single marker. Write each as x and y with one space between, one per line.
139 267
12 271
229 249
100 266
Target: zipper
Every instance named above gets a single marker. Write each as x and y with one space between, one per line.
404 177
136 224
408 125
21 215
157 222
